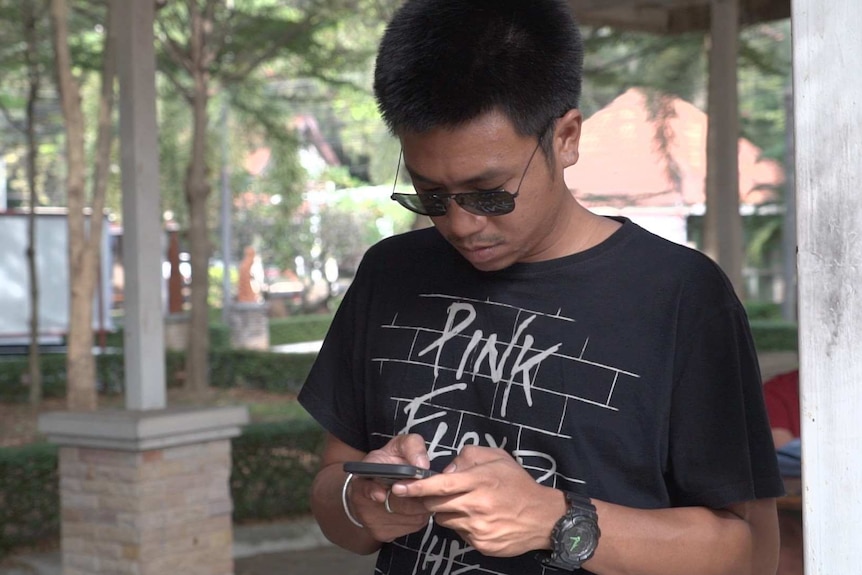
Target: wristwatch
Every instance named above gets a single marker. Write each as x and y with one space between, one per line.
575 536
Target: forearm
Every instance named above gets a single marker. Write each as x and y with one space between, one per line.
327 507
685 541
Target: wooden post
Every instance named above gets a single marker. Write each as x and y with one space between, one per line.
827 54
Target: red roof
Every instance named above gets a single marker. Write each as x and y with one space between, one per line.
621 163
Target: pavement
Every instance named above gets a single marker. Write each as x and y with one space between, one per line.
293 547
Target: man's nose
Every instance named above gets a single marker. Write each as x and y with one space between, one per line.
462 223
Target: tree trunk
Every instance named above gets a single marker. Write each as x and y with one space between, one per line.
197 193
84 240
35 80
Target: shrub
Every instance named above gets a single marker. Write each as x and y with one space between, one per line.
229 368
763 310
260 370
29 495
273 467
770 335
296 329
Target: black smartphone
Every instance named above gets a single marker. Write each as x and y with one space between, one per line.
386 472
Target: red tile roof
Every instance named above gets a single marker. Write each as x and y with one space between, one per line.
621 163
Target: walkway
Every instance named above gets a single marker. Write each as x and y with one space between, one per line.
290 547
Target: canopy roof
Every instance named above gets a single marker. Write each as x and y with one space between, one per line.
670 16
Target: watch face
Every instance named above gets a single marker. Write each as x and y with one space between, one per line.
578 540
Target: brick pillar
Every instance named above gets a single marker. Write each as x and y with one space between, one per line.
156 504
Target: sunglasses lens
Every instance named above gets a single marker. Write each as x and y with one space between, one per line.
487 203
425 204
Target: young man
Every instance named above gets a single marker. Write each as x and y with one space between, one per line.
588 391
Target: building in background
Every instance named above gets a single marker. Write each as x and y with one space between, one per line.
645 158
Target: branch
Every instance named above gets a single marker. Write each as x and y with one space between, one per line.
10 120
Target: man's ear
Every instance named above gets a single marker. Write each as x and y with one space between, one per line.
567 137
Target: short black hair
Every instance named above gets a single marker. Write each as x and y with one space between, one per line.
445 62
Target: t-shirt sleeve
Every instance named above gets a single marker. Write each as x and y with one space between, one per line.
333 392
720 444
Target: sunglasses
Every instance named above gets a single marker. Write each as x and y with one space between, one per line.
480 203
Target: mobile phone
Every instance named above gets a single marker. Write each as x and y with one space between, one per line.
386 472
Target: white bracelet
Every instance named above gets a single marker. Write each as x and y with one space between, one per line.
344 502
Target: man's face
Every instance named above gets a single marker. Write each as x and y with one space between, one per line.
488 154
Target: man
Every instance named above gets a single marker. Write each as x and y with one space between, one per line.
588 391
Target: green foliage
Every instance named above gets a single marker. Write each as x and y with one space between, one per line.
229 368
14 375
764 80
279 372
763 310
273 467
774 335
216 289
26 64
29 496
300 328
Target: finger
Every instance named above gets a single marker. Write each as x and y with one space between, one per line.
441 485
410 447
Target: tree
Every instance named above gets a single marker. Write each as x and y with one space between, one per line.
84 239
207 43
31 11
25 19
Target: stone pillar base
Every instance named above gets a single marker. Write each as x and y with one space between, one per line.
249 326
145 493
177 332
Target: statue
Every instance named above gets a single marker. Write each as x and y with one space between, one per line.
248 288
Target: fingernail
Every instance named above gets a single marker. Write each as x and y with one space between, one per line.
399 489
450 468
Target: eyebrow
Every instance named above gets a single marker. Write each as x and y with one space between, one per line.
486 176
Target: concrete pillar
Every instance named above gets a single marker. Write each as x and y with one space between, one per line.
723 224
142 252
827 54
146 493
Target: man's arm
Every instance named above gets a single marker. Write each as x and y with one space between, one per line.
739 540
497 507
326 500
365 497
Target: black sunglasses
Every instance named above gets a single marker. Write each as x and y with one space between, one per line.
480 203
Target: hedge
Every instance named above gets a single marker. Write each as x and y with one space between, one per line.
299 328
285 330
273 467
228 368
29 495
774 335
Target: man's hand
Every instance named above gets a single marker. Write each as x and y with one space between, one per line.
368 497
490 501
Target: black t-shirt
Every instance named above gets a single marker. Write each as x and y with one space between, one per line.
625 373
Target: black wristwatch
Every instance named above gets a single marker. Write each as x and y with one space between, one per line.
575 536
